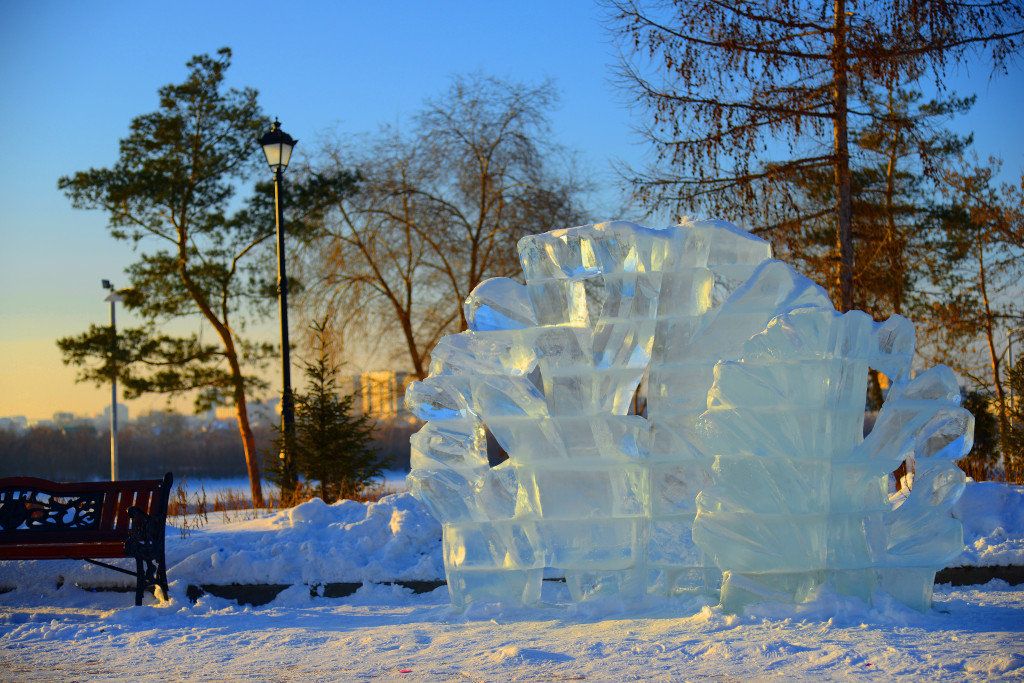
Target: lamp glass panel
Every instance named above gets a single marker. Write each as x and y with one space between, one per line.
285 154
273 152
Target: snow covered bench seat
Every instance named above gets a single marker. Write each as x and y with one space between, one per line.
46 520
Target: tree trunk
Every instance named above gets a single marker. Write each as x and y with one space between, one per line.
844 214
875 395
245 429
238 384
1005 447
410 342
894 243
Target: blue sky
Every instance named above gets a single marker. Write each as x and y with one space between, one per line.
74 74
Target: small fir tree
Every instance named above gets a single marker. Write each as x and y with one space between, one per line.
330 449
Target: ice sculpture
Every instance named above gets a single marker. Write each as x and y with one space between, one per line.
798 499
608 497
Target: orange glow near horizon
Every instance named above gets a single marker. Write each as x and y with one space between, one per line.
26 365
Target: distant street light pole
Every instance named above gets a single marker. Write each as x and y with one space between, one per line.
1009 336
278 145
113 298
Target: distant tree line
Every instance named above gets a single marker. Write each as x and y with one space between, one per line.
83 453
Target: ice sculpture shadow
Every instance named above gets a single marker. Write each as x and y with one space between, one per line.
754 391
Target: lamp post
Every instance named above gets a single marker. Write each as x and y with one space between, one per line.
1009 338
277 145
113 298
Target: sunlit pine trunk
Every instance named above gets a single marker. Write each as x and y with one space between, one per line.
995 362
237 380
245 429
844 217
892 233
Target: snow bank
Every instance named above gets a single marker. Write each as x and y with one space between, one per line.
396 539
393 539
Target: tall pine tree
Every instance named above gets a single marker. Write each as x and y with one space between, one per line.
743 97
975 297
171 191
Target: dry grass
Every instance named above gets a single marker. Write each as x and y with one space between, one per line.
305 493
194 509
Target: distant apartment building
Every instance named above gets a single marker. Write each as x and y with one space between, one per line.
122 414
14 423
380 394
64 419
102 420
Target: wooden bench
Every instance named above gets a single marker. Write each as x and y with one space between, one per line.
46 520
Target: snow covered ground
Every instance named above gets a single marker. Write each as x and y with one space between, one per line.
384 631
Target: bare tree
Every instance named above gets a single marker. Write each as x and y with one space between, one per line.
745 94
438 210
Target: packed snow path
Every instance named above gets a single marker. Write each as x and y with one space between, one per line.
972 633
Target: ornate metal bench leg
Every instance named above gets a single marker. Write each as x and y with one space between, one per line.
140 581
161 577
145 544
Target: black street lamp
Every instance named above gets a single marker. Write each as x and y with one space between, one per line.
113 298
278 145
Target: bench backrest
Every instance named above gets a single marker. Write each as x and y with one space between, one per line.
29 505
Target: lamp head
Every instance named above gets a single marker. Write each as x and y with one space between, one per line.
277 145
